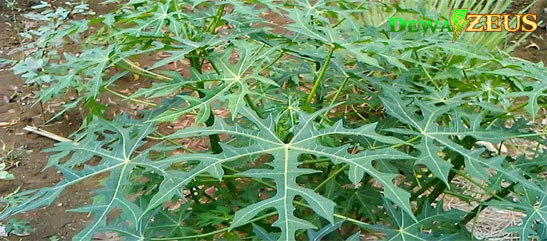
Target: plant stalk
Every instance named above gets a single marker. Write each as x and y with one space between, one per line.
319 77
214 24
214 139
332 176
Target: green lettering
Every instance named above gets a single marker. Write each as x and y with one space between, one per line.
392 24
446 26
413 26
429 25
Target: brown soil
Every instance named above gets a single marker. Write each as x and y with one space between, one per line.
55 220
534 48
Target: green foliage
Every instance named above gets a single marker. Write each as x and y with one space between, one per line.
440 224
18 227
5 175
9 158
335 127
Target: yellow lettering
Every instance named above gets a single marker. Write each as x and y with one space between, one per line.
531 23
473 23
506 22
491 24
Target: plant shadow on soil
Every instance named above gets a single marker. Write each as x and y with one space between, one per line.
17 107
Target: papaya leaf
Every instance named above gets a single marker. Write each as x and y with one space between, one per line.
284 168
433 135
234 79
119 157
442 225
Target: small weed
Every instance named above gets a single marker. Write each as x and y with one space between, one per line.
19 228
4 174
54 238
10 156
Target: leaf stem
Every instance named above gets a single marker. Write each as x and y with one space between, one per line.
133 68
214 139
339 91
469 179
431 79
214 24
332 176
316 161
320 77
125 97
288 51
424 188
509 111
335 97
274 61
475 219
355 221
462 196
253 106
163 137
254 179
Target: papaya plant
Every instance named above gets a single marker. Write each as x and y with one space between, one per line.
335 128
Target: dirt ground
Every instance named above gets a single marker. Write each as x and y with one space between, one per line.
17 107
534 47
